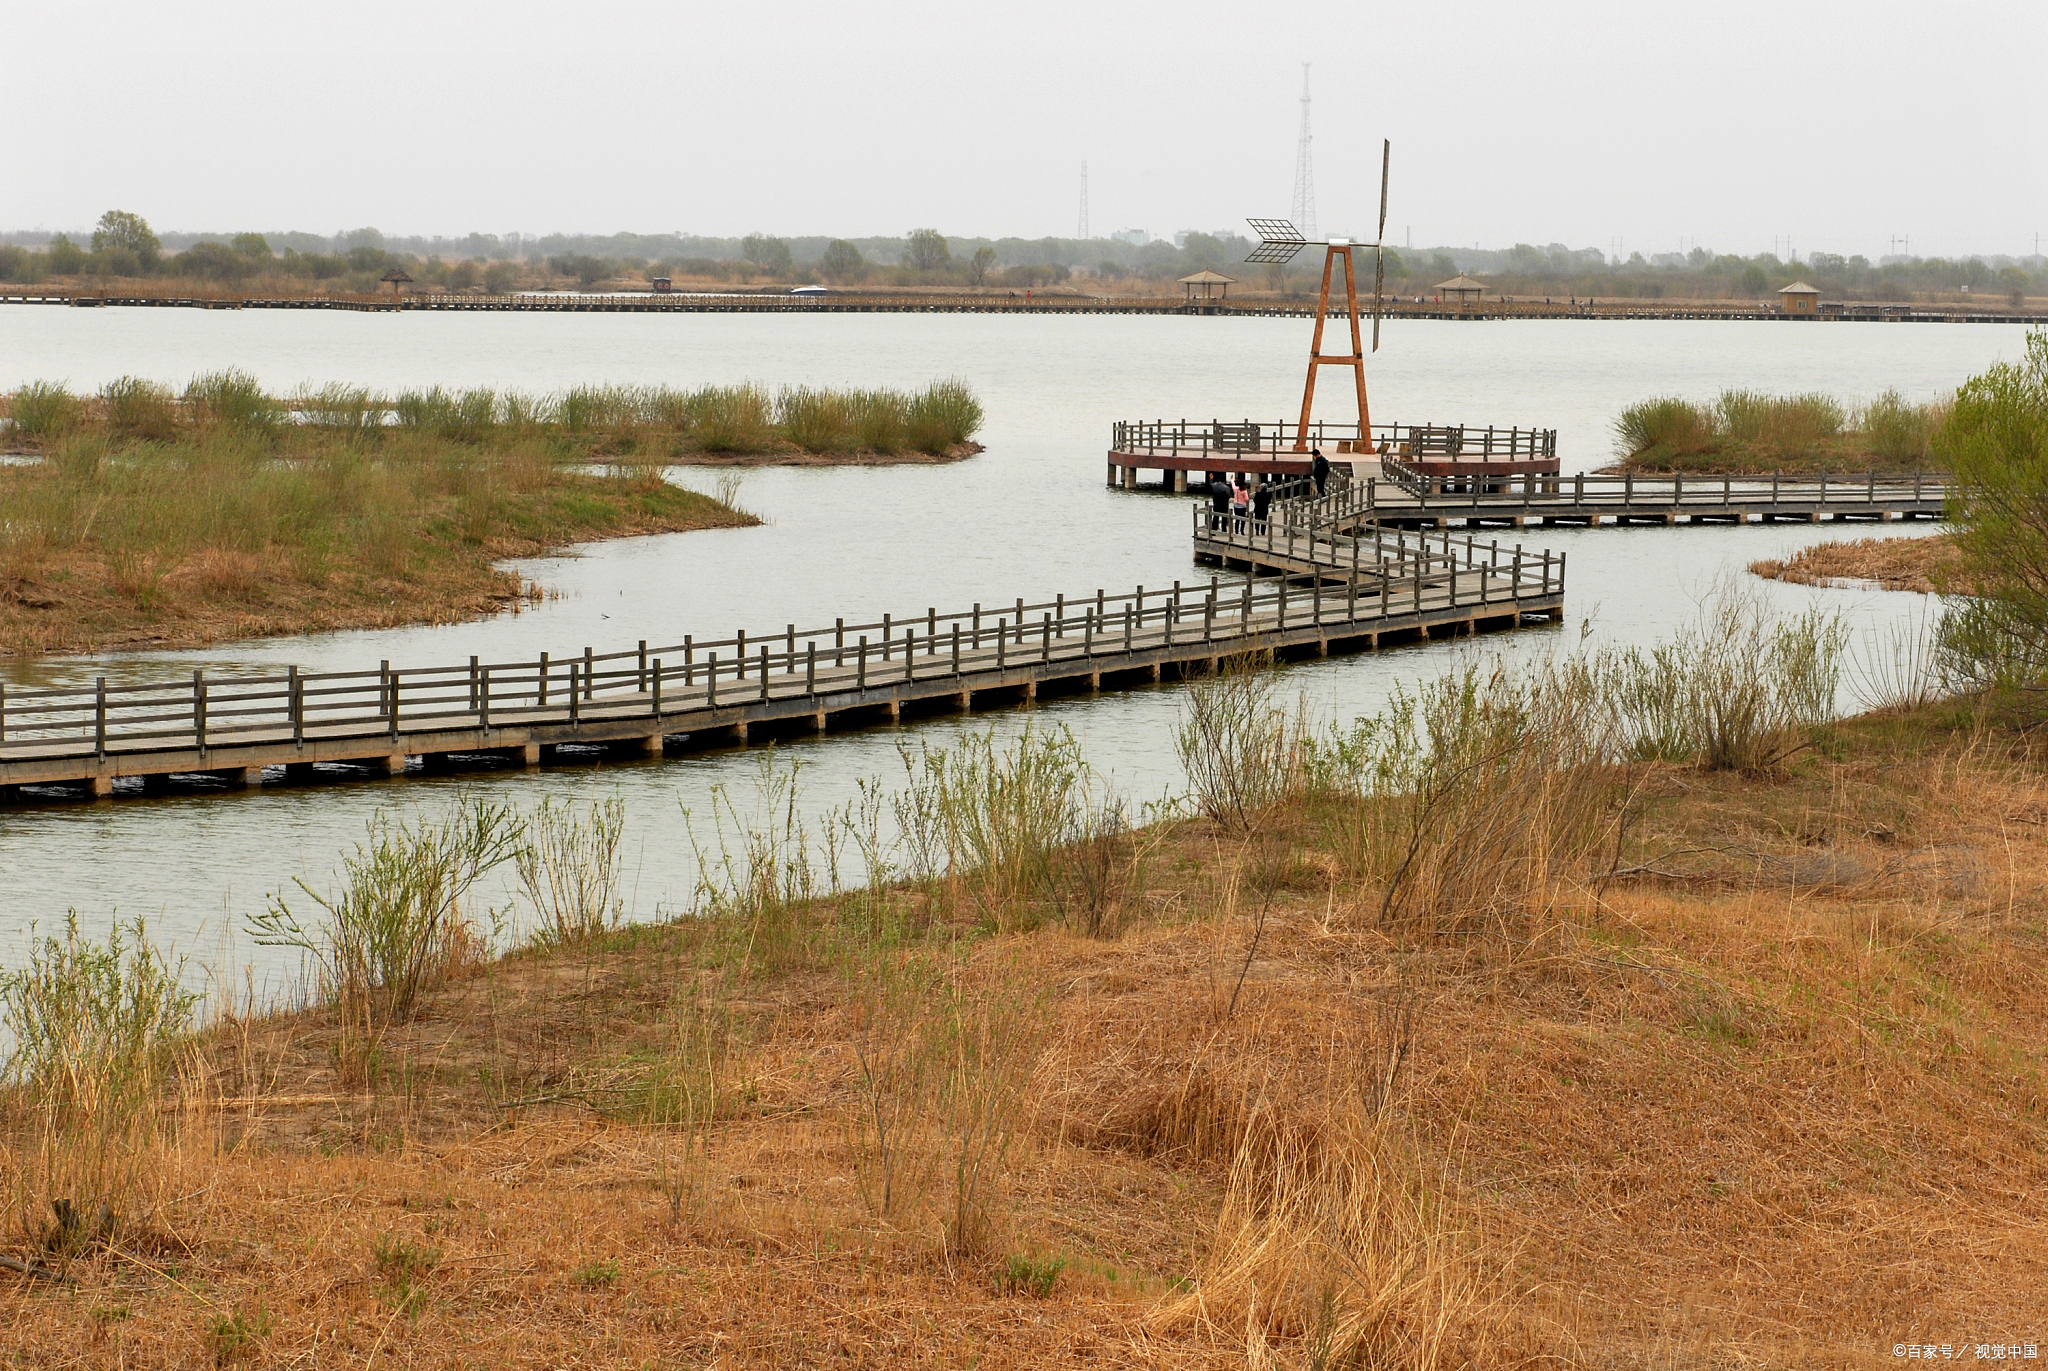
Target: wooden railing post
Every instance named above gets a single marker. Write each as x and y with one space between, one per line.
295 705
472 685
575 692
811 668
643 665
392 696
541 693
711 680
860 680
198 709
956 649
764 671
483 700
99 717
655 709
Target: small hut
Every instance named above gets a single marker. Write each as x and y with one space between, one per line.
1799 298
397 280
1213 285
1460 290
662 285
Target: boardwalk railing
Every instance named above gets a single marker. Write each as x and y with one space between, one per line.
815 669
1223 439
1404 492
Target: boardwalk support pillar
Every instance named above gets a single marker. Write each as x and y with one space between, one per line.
102 786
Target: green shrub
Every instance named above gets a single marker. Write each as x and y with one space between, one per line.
877 420
140 408
232 399
348 409
466 416
1669 423
731 419
93 1028
402 1271
815 420
943 414
1780 422
598 1275
1995 445
570 869
1023 1275
42 409
233 1336
1900 431
399 926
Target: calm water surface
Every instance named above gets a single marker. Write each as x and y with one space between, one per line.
1029 517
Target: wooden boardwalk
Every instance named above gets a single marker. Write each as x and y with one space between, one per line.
235 728
1407 500
858 302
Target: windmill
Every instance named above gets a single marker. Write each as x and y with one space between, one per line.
1279 242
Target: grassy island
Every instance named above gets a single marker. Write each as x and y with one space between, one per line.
1747 433
141 517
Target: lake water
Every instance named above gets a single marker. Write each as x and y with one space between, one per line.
1029 517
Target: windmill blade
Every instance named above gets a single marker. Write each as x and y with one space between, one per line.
1279 241
1379 247
1386 157
1379 278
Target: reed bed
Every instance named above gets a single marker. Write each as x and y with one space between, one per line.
170 521
738 419
1925 566
1745 431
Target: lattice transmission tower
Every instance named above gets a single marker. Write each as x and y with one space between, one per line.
1083 234
1304 168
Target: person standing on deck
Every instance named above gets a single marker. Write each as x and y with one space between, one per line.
1219 502
1262 501
1320 469
1241 501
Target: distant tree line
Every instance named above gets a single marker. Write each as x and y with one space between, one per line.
124 246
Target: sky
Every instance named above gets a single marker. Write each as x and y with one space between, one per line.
1743 126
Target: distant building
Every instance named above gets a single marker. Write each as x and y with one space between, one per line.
396 279
1137 238
1460 290
662 285
1799 298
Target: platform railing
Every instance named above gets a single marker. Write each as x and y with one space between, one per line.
1224 439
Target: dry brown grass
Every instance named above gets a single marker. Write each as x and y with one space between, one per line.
1927 566
1765 1090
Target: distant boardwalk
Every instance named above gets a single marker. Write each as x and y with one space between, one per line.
857 302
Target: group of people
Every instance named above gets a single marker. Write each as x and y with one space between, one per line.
1235 497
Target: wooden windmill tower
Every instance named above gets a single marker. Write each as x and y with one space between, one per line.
1279 242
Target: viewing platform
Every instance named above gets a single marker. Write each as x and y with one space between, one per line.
1452 452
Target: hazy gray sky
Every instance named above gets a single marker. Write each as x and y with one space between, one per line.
1582 121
